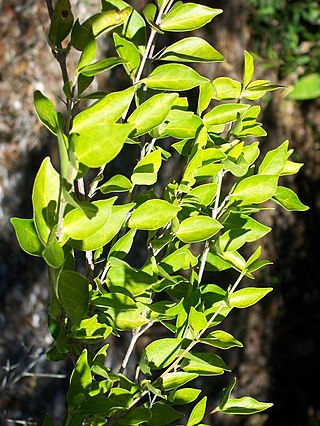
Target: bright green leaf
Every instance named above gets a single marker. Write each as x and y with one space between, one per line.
274 161
184 396
226 88
197 228
162 352
80 380
288 199
221 339
223 114
255 189
117 183
163 414
174 380
153 214
106 21
248 69
100 66
122 247
245 405
27 236
307 87
248 296
128 52
198 412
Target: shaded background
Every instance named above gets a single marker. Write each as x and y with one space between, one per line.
280 359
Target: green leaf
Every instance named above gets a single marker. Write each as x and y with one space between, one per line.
205 95
274 161
53 253
47 421
137 416
27 236
46 113
125 279
203 194
174 380
198 412
114 300
153 214
80 380
223 114
61 22
87 56
162 352
226 393
188 17
100 144
307 87
174 77
152 112
245 405
90 330
122 247
221 339
118 183
184 396
226 88
255 189
288 199
197 320
126 320
150 12
73 293
107 231
248 296
291 168
197 228
248 69
204 364
128 52
100 66
163 414
45 197
106 21
145 172
79 224
106 110
182 124
179 259
191 49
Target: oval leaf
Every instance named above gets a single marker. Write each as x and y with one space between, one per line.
248 296
27 236
255 189
153 214
197 228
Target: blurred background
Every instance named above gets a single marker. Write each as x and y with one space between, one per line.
280 358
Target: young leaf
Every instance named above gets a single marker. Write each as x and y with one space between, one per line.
223 114
175 380
45 197
122 247
179 259
163 414
226 88
274 161
197 228
128 52
288 199
73 293
184 396
245 405
152 112
126 279
80 380
220 339
53 253
191 49
145 172
46 113
188 17
198 412
152 215
197 320
248 296
100 66
176 77
204 364
117 183
27 236
255 189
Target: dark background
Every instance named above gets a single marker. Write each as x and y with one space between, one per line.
280 358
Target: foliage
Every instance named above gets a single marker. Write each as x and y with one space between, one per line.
191 225
287 32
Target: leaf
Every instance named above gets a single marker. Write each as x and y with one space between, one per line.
128 52
204 364
163 414
73 293
184 396
221 339
162 352
118 183
197 320
106 21
53 253
125 279
275 160
198 412
106 110
145 172
226 88
255 189
182 124
245 405
197 228
100 66
248 296
114 300
80 380
248 69
174 380
175 77
100 144
45 195
122 247
153 214
46 112
126 320
203 194
188 17
82 223
205 96
191 49
27 236
90 330
307 87
61 22
152 112
223 114
135 416
47 421
107 231
288 199
226 393
179 259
